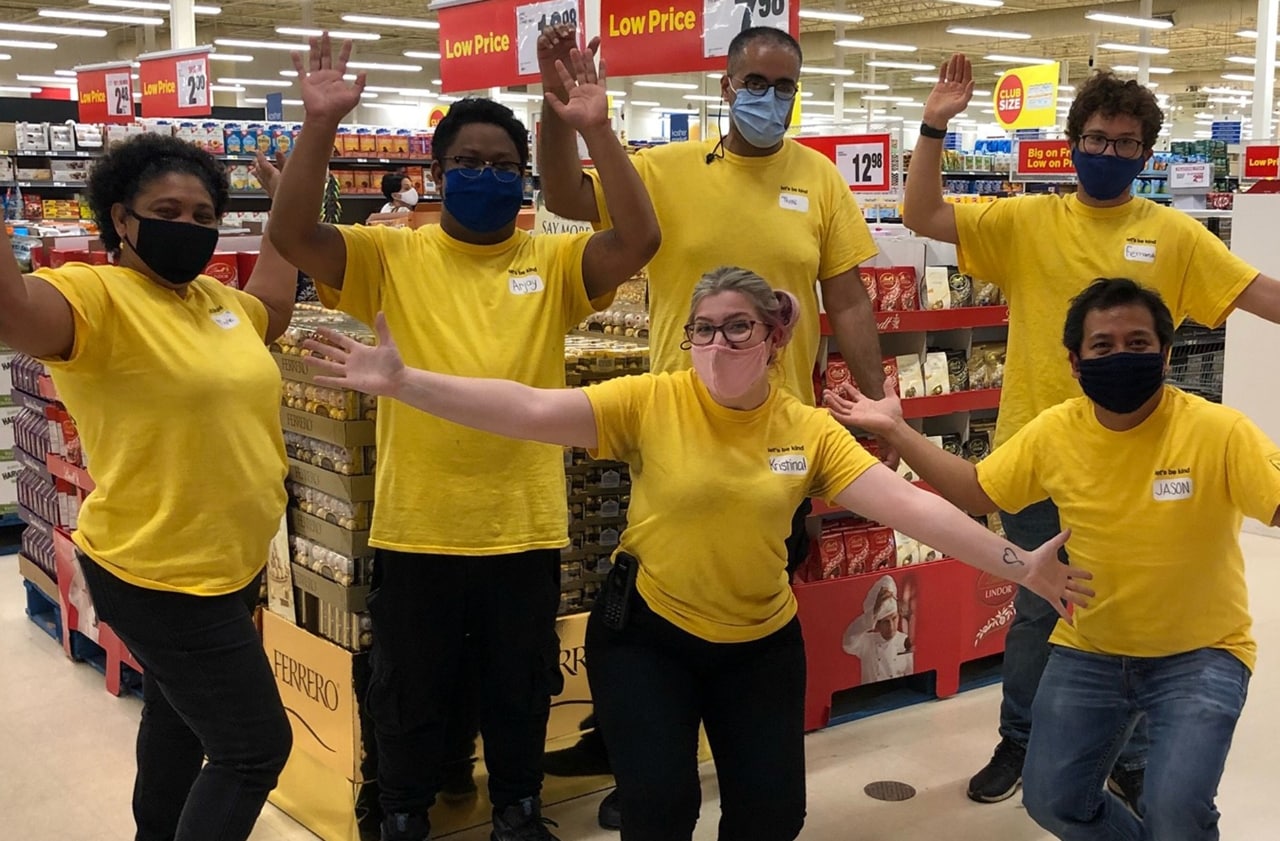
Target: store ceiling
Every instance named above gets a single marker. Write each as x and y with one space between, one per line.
1201 42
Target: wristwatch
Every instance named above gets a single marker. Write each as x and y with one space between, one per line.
927 130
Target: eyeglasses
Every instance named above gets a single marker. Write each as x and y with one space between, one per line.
1126 147
504 171
783 88
735 332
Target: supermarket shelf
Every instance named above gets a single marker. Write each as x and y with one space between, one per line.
977 173
949 404
62 469
28 153
934 321
56 185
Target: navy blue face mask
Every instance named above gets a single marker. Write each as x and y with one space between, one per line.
1122 382
1105 177
481 201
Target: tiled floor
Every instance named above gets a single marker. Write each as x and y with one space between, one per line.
66 753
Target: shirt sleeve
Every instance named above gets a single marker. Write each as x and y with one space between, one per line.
840 458
643 168
1214 278
620 406
91 307
1253 471
254 309
846 239
1010 475
365 272
561 263
985 234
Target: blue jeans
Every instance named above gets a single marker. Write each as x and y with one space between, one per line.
1086 708
1026 648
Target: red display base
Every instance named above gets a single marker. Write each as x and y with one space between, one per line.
934 321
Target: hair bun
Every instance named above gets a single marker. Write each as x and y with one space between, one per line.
790 308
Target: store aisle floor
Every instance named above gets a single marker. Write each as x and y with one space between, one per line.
66 752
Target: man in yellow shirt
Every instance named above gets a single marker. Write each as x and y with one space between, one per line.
1040 250
1153 484
468 525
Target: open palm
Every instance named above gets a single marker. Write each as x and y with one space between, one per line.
346 363
326 95
588 103
951 95
1057 583
853 408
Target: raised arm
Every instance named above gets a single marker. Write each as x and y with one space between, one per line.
924 210
316 248
34 317
274 281
567 191
550 415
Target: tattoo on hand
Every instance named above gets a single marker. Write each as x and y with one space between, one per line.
1011 558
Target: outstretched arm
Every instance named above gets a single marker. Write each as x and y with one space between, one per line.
34 317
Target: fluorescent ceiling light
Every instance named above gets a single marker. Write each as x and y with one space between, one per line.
1133 68
925 80
135 76
697 97
261 101
644 102
1237 77
823 102
47 81
70 73
1126 20
877 97
227 88
153 6
260 45
304 32
28 45
379 65
617 94
1226 100
1016 59
437 82
229 57
875 46
688 111
378 20
421 54
1241 59
41 29
1226 91
18 89
984 93
390 104
986 4
100 17
675 86
381 89
264 83
988 33
368 95
864 86
825 71
414 92
837 17
900 65
1133 48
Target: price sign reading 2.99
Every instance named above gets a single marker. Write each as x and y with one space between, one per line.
864 163
532 19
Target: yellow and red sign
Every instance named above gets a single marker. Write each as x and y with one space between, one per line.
437 114
1027 97
494 43
105 92
1262 161
1044 157
175 83
863 159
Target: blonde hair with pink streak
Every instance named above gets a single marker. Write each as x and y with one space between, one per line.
777 308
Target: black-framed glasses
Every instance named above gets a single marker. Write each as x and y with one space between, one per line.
736 332
1126 147
758 86
472 167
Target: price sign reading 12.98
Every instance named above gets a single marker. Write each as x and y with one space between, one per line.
864 163
193 83
119 94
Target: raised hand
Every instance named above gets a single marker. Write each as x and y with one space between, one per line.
267 173
587 106
555 44
853 408
349 364
326 95
951 95
1042 573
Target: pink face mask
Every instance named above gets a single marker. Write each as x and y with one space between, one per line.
727 372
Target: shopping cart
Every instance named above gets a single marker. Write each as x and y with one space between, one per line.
1195 363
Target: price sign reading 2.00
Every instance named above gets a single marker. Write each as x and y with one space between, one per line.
864 163
193 83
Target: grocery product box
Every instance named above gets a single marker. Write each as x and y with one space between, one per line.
225 269
9 472
353 599
8 413
343 433
353 488
354 544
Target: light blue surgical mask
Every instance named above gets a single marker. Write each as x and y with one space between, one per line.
761 120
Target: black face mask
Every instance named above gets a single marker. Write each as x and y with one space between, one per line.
1122 382
176 251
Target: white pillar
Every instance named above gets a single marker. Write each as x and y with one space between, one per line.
1144 39
1264 74
182 24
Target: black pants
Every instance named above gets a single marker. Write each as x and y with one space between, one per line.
799 542
653 684
207 691
423 607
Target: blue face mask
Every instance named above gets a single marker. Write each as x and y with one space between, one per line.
761 120
1122 382
482 203
1105 177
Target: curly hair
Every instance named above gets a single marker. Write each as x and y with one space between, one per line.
475 109
127 167
1110 96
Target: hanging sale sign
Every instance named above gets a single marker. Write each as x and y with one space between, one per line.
1027 97
678 36
495 43
1038 158
863 159
105 92
1262 161
175 83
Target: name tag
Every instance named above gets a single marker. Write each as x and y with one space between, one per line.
1140 253
789 465
526 285
1172 490
226 319
791 201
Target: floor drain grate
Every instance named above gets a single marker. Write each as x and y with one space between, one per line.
890 790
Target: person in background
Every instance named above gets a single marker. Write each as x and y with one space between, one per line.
710 619
139 352
1040 250
469 526
1153 488
722 195
401 195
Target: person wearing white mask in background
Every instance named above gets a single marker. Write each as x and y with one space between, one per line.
400 193
876 637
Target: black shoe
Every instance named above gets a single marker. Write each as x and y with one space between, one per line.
522 821
1127 785
402 826
1002 776
587 758
610 815
459 783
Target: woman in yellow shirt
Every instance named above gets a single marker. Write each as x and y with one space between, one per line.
176 401
703 628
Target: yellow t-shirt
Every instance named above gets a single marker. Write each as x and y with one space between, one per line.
1154 514
1044 250
789 217
498 311
712 495
177 404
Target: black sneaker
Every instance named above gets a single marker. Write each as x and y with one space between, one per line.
402 826
459 782
1002 776
1127 785
610 815
522 821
